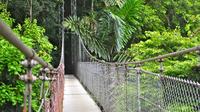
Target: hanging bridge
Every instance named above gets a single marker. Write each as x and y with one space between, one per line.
114 87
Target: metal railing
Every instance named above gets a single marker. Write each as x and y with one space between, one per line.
126 87
55 76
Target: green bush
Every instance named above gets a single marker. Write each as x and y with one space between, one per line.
163 43
11 89
180 108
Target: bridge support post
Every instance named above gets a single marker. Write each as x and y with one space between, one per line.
138 75
161 69
28 78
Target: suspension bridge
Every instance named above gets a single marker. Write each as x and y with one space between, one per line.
103 86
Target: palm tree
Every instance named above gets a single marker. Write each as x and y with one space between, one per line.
107 29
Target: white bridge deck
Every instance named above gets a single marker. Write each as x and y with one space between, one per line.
76 99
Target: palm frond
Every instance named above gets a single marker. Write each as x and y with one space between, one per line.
82 27
107 31
130 9
119 3
124 56
122 31
71 23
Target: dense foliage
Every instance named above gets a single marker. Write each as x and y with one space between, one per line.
11 88
168 26
166 42
105 24
130 30
113 30
47 13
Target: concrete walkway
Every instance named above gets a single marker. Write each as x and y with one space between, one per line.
76 99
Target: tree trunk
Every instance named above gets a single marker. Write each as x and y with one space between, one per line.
31 10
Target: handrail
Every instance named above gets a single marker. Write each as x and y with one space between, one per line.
8 34
182 52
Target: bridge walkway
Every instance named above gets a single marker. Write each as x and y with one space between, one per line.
76 99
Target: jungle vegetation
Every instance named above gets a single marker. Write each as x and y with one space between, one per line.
132 30
112 30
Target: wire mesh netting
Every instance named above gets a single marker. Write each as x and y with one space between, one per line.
124 88
55 103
